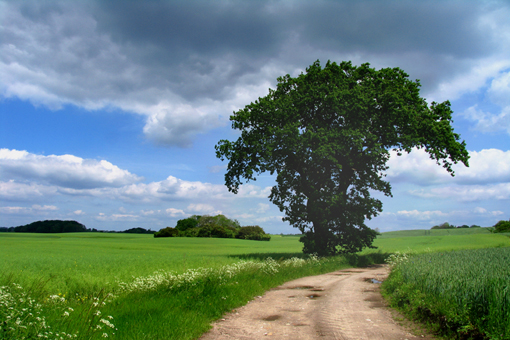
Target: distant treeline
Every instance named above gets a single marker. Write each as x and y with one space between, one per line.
447 225
213 226
500 227
59 226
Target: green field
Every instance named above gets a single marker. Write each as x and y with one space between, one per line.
169 288
419 241
86 262
464 293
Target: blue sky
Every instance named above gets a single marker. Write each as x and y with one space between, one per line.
109 111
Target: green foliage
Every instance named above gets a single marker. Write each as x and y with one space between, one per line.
167 232
465 292
138 231
213 226
215 230
252 233
52 226
502 227
445 225
187 223
326 134
219 220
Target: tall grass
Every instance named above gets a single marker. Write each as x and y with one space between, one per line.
466 293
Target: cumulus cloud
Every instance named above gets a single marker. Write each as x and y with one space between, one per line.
488 121
485 166
186 65
12 190
65 171
499 94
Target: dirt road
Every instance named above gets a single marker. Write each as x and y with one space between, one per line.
345 305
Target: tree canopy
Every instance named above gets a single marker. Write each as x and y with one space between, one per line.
326 134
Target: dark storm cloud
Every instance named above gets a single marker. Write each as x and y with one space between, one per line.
182 61
181 40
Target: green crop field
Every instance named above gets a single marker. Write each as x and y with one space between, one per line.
419 241
466 292
93 285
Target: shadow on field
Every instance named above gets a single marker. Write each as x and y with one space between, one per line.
355 260
365 260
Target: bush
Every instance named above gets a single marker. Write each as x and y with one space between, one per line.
252 233
167 232
502 227
215 230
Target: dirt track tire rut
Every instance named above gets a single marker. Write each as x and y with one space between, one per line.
340 305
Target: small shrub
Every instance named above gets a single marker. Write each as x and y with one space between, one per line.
252 233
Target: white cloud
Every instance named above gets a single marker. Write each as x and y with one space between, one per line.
499 94
170 124
65 171
499 91
95 56
467 193
262 208
34 210
421 215
44 207
489 122
201 208
217 168
435 216
12 190
475 77
14 210
485 166
174 212
117 217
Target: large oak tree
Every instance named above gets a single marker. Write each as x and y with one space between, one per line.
326 134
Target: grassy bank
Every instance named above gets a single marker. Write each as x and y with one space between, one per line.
461 294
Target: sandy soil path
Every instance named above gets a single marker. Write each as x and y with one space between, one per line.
345 305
